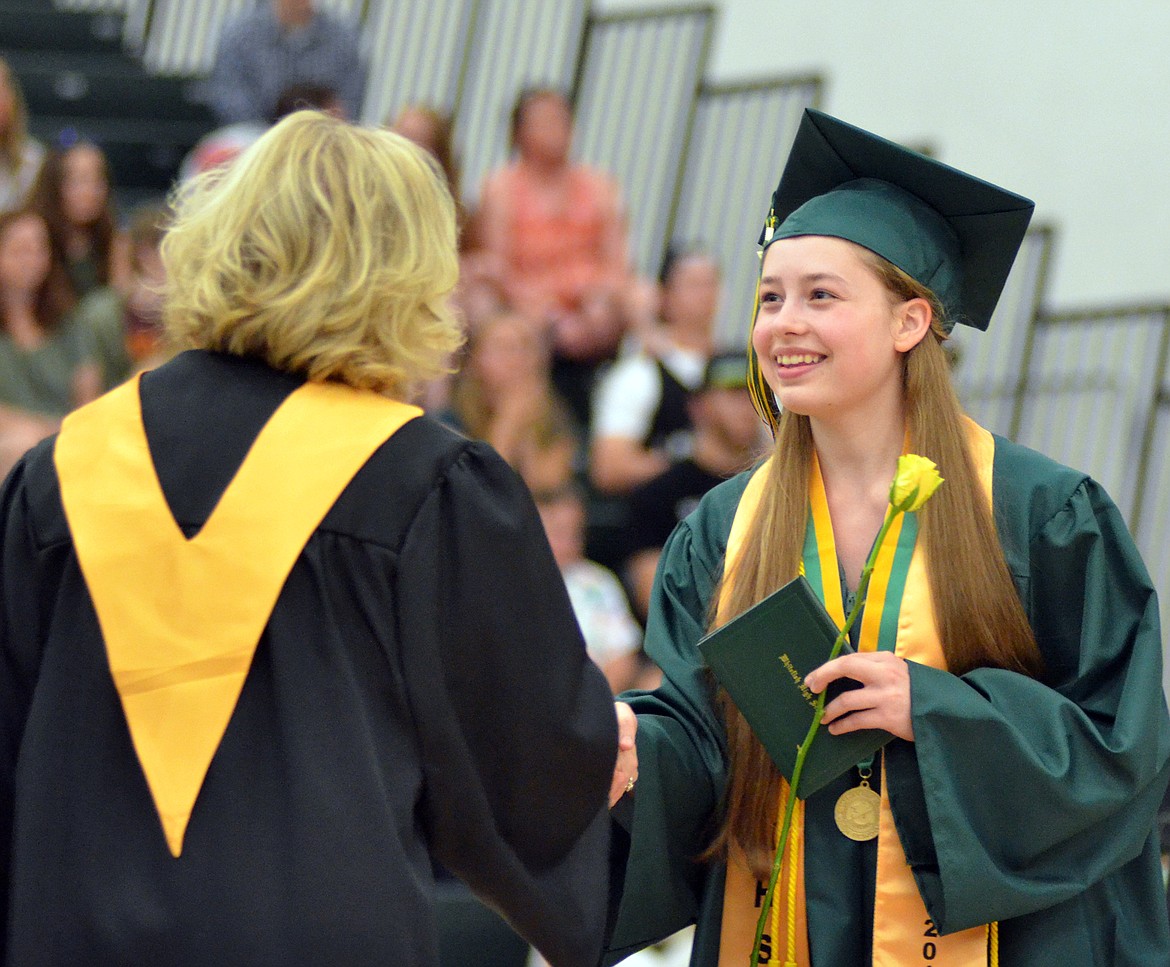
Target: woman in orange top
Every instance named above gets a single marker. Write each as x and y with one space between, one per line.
554 229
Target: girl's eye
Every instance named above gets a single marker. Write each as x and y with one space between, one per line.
820 294
770 297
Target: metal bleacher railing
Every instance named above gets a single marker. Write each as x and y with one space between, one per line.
644 68
1151 513
416 50
990 368
739 141
1089 392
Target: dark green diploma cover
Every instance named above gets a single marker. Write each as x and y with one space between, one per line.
762 657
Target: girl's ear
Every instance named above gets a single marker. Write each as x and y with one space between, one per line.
911 323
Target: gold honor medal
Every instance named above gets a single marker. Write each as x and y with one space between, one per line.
858 811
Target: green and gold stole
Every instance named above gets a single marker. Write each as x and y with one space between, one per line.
899 617
181 618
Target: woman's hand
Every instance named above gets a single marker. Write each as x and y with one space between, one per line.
883 701
625 771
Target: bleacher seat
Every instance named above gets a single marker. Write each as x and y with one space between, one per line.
77 78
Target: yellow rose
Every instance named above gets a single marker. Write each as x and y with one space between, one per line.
914 483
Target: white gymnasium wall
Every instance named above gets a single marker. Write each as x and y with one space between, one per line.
1064 102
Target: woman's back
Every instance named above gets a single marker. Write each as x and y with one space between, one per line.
360 745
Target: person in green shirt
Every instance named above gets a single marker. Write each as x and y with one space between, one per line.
1020 670
55 352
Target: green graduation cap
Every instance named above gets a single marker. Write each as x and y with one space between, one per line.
954 233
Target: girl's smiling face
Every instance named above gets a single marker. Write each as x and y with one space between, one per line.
829 334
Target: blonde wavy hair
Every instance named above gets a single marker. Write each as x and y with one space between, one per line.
325 249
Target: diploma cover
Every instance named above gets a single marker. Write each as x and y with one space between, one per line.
762 657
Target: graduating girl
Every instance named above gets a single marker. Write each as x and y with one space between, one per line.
1017 664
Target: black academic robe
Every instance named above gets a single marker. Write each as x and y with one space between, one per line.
420 693
1027 802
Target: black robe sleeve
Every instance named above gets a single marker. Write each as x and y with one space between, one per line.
516 730
19 622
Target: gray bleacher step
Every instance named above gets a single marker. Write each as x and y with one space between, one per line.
101 85
38 26
144 153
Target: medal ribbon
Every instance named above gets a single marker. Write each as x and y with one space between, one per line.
898 616
181 618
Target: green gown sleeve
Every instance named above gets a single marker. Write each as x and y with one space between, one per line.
658 884
1034 801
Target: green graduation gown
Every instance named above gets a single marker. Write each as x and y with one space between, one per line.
1027 802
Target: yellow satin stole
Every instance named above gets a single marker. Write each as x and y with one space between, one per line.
181 618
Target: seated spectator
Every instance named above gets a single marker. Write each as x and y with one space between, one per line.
143 312
264 51
584 344
73 194
219 147
555 230
434 131
308 97
55 352
503 396
224 144
640 419
728 438
20 155
612 636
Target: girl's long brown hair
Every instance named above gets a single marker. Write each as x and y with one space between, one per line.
49 201
978 613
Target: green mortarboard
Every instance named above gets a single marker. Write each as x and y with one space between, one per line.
954 233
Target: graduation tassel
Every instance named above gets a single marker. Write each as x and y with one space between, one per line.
793 874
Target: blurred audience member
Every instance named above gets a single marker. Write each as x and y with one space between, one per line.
640 419
642 305
554 229
584 343
476 299
728 438
224 144
612 636
73 194
55 352
143 313
308 96
264 51
20 155
219 147
434 131
503 395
